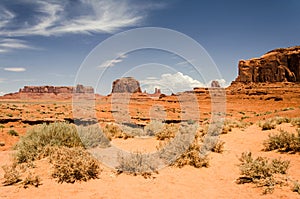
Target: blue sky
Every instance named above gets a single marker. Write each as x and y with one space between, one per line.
46 42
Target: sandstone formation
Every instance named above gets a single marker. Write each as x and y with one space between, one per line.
279 65
57 89
126 85
215 84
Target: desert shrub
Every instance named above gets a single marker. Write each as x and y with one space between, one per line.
11 175
2 127
113 131
268 125
136 163
288 109
13 132
179 152
154 127
32 145
168 132
132 131
16 174
296 187
295 121
92 136
218 147
283 141
280 120
31 179
73 164
261 171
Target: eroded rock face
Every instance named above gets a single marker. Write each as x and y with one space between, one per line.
279 65
126 85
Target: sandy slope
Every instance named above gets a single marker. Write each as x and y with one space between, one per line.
217 181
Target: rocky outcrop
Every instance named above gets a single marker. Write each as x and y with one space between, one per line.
57 89
279 65
215 84
126 85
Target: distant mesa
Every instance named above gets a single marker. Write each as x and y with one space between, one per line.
279 65
56 92
126 85
57 89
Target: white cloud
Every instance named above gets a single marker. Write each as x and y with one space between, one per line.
59 17
113 62
2 93
8 45
171 83
185 63
15 69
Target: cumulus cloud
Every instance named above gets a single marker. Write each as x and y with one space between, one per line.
15 69
171 83
55 17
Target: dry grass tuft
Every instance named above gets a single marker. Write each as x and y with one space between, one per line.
137 164
11 175
283 141
262 172
73 164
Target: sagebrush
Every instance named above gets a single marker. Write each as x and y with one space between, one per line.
262 171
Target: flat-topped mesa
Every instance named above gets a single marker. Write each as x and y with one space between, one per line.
57 89
126 85
279 65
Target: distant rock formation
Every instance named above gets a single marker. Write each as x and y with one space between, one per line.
215 84
279 65
50 92
126 85
57 89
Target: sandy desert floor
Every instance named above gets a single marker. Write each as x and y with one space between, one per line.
216 181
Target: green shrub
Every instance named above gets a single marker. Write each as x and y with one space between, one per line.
13 132
261 171
32 145
92 136
283 141
268 125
